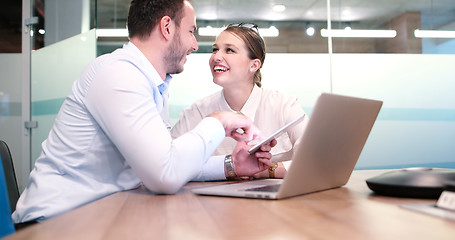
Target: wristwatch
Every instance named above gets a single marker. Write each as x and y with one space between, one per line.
229 166
272 170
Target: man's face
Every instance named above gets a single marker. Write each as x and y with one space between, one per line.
184 41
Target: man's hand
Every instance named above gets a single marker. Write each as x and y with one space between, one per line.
237 126
246 165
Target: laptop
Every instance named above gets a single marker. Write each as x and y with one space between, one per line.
325 157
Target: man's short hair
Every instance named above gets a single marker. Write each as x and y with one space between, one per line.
144 15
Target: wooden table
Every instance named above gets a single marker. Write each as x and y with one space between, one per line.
349 212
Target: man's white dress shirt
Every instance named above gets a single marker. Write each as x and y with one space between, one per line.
112 134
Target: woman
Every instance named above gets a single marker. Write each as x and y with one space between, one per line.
238 55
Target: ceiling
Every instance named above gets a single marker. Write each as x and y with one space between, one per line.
371 13
366 14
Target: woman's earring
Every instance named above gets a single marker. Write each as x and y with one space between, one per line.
251 70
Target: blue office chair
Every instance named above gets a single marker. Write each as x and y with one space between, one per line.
10 175
6 222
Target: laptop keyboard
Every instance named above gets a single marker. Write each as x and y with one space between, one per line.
268 188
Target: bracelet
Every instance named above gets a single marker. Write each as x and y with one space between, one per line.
229 166
272 170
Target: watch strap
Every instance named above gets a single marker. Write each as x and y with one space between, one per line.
229 166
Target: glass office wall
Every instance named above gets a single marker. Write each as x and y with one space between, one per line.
54 69
32 98
11 126
363 48
409 70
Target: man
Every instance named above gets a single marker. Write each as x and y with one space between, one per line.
112 131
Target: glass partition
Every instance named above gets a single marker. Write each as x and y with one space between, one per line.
54 69
410 71
416 126
11 126
314 52
417 121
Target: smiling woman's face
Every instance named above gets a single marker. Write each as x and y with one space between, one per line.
229 62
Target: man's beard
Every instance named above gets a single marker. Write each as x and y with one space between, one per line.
174 56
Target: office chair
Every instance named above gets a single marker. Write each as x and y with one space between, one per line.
6 222
10 175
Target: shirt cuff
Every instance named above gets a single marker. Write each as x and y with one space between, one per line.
214 169
213 133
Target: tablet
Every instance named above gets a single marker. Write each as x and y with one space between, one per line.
275 134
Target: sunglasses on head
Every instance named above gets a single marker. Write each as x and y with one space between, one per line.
250 26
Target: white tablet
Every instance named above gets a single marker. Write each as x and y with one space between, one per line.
275 134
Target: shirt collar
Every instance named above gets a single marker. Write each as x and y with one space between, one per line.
148 69
251 105
163 87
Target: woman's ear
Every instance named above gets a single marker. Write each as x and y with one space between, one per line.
166 27
255 65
